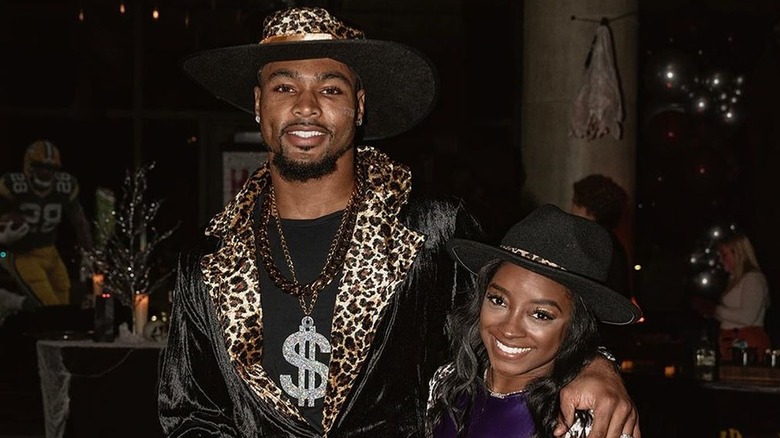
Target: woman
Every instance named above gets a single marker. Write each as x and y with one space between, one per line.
527 330
743 306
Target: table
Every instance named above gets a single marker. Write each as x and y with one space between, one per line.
742 387
99 389
680 407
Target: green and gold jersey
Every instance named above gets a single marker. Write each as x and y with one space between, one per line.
43 213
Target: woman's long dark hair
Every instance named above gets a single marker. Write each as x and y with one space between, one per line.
470 358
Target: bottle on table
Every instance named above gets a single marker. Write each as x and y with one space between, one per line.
705 363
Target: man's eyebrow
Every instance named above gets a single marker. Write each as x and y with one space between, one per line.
334 75
290 74
283 73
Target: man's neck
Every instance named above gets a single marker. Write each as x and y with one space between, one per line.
314 198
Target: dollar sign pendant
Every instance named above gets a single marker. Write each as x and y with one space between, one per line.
300 350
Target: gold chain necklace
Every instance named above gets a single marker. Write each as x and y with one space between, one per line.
333 262
489 384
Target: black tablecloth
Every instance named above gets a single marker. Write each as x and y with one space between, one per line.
683 407
99 389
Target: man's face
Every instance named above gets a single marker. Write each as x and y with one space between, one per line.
308 110
581 211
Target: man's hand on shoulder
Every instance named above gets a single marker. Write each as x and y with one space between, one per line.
599 389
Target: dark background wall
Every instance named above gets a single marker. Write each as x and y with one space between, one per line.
708 149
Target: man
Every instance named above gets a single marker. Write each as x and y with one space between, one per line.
599 198
41 196
318 306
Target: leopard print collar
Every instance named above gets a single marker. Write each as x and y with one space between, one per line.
368 281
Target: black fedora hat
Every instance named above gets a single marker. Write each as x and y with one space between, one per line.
400 82
569 249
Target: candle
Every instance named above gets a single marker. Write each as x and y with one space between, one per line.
97 284
140 313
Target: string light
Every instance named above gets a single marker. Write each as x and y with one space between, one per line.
155 12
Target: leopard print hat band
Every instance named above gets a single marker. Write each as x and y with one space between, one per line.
300 24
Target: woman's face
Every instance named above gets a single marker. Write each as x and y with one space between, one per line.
522 323
727 259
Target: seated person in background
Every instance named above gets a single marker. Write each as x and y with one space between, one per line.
599 198
40 197
527 330
744 303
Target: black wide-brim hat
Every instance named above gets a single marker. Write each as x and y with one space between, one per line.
571 250
400 82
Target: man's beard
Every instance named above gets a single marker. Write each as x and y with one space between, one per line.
302 172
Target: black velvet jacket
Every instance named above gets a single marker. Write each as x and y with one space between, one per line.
388 337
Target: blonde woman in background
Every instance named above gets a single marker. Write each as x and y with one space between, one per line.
744 304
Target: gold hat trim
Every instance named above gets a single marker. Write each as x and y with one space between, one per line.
297 37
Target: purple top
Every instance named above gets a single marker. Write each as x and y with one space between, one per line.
492 417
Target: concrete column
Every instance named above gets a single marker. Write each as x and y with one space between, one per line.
555 48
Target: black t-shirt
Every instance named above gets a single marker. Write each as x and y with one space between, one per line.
308 242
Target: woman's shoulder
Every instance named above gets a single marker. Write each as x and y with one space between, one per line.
441 373
756 278
753 283
433 385
444 371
